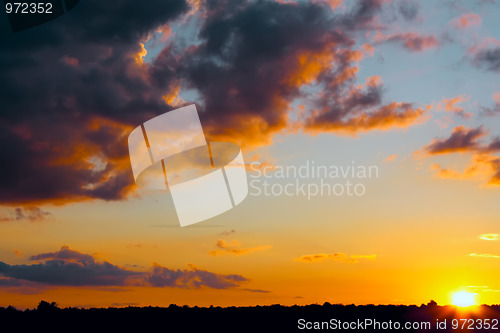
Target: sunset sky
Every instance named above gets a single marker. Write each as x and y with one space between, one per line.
409 87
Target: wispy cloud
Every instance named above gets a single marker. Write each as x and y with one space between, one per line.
257 291
337 257
484 255
391 158
466 20
228 232
234 248
483 289
451 105
30 213
490 237
411 41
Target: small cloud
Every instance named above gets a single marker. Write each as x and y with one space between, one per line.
227 233
257 290
391 158
451 105
466 20
493 110
483 289
234 248
30 213
484 255
140 246
119 305
18 253
409 9
70 61
490 237
337 257
488 59
367 49
461 140
411 41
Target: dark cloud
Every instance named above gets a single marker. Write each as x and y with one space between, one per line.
494 145
491 111
488 59
484 163
462 139
64 253
409 9
257 291
363 15
68 89
67 267
192 278
247 68
73 88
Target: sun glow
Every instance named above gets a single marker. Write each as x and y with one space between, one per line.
463 299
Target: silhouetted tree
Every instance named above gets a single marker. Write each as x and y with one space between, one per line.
46 306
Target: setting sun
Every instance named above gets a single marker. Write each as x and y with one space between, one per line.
463 299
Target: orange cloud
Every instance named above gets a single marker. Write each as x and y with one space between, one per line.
450 105
411 41
466 20
367 49
173 97
394 115
139 56
70 61
337 257
483 167
391 158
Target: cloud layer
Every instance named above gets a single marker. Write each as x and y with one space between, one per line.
67 267
337 257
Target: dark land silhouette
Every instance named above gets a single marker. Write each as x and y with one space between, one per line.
273 318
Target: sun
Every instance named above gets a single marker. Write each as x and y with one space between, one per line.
463 299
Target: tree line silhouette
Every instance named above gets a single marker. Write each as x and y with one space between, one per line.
272 318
